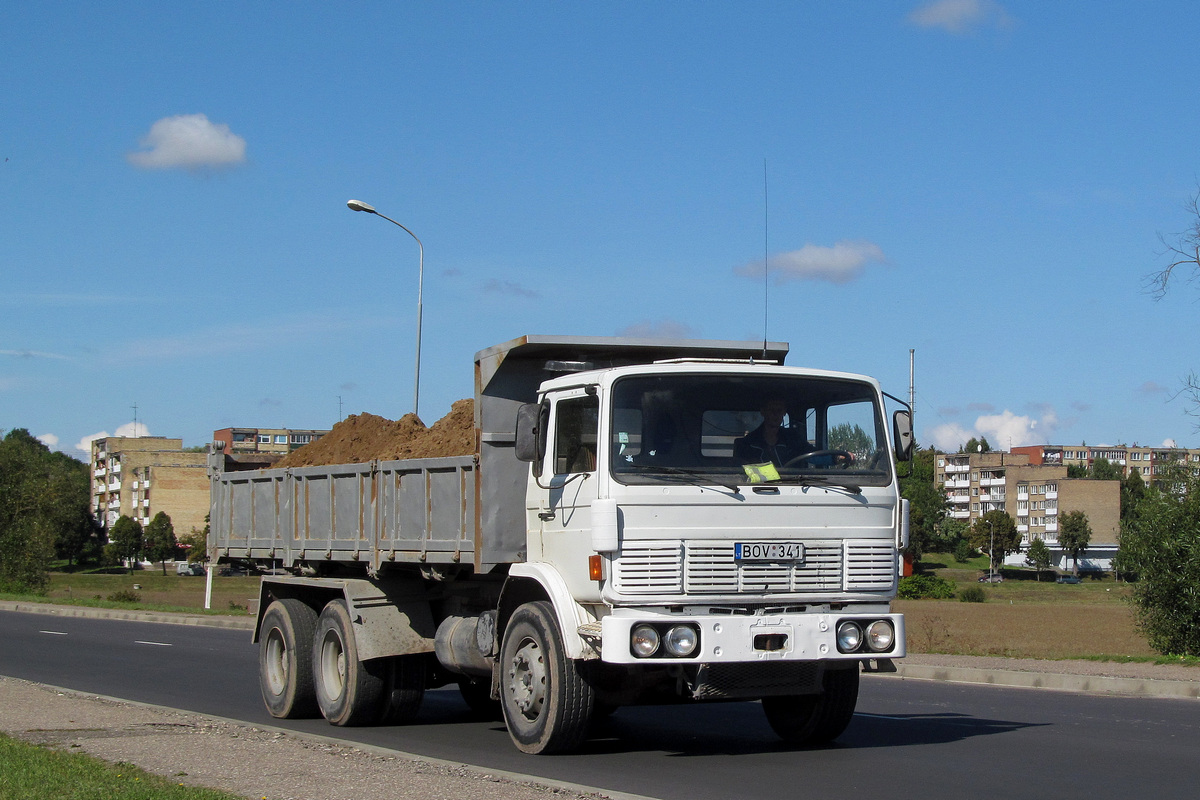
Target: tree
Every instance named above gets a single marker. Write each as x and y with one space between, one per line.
1133 489
974 445
949 533
853 439
996 534
1038 556
43 498
1074 535
160 543
127 540
1160 543
927 502
1183 252
1105 470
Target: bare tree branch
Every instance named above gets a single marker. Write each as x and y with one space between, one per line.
1184 251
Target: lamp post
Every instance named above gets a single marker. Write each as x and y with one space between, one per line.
358 205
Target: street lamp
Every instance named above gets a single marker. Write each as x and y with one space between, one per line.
358 205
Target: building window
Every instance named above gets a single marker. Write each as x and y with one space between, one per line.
264 438
281 438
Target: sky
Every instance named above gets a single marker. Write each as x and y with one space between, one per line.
988 184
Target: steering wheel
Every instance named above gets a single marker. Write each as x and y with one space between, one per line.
841 458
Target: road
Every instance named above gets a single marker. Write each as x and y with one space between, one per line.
910 739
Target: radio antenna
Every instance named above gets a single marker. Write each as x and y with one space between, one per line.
766 268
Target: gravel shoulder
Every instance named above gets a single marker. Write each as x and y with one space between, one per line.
244 760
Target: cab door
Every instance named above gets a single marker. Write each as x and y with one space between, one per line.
571 475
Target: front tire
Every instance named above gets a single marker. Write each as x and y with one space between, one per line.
546 701
349 692
285 673
815 719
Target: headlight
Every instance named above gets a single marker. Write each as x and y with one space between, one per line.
880 636
849 637
681 640
644 641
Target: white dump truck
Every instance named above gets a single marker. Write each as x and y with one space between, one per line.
641 522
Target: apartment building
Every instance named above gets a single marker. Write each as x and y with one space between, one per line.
278 441
139 477
1035 495
1146 462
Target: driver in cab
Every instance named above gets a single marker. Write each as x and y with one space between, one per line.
771 442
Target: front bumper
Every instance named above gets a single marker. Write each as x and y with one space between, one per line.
730 639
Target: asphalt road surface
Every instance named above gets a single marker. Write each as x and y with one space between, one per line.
909 739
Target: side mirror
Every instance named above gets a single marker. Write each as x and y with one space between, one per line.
902 435
532 419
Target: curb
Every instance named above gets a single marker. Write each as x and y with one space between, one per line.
1058 681
200 620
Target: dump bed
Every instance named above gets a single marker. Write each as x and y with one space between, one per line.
419 510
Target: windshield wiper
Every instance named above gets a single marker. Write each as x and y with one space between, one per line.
819 480
691 476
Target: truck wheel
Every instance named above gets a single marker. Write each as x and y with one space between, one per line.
349 691
406 688
285 660
547 703
815 719
477 693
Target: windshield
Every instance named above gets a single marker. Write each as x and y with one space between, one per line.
737 429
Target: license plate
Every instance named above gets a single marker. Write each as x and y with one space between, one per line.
792 552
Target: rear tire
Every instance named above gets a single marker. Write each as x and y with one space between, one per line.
547 703
406 677
349 692
815 719
285 673
477 693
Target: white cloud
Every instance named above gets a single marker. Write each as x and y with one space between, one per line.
1169 443
948 437
132 430
189 141
1003 430
49 439
658 329
842 263
960 17
1151 387
84 445
127 430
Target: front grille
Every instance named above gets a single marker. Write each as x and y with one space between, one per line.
672 566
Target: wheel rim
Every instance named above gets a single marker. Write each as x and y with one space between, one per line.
527 679
333 666
277 662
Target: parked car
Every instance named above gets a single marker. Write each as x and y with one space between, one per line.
992 577
189 568
1067 579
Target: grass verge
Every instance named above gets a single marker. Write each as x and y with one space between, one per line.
30 771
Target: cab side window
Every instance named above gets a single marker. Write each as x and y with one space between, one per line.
575 435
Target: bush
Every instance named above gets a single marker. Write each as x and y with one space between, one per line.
972 594
918 587
125 596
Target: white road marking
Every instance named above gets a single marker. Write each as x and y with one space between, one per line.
156 644
54 633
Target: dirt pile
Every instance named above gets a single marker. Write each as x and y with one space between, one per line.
364 437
